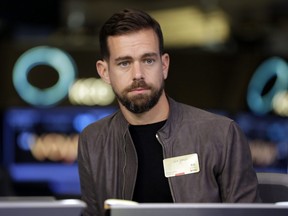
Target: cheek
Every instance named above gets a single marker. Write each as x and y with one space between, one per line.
118 83
162 76
155 82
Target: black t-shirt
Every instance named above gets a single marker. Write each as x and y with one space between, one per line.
151 184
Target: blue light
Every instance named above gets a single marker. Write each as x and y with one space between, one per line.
82 120
25 141
61 178
278 131
22 118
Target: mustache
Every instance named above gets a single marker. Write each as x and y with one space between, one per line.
138 84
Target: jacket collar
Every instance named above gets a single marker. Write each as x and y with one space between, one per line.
173 120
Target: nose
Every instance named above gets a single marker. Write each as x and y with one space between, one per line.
137 71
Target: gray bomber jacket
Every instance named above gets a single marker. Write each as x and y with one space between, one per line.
107 159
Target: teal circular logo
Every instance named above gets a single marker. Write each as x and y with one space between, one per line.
44 55
257 101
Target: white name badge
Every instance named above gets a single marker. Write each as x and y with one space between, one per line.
181 165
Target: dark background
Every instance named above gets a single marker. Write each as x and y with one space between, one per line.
198 76
213 79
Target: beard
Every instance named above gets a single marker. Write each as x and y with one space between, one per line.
142 102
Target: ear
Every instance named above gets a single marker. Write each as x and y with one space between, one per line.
165 64
102 69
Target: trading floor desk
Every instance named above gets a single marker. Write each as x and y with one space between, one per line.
41 207
220 209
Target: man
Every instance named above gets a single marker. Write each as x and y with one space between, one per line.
206 156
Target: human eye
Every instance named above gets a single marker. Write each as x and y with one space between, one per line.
124 64
149 61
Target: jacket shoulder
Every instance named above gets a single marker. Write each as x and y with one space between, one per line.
102 125
201 115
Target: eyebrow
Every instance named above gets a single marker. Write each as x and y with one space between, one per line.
152 54
121 58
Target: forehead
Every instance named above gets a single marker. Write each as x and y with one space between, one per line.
140 41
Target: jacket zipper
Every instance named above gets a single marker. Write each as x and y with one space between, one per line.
123 170
169 182
124 167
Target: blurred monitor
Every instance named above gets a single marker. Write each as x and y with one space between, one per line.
40 147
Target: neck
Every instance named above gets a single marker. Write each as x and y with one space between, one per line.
158 113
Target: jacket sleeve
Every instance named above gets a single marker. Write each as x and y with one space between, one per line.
86 180
238 180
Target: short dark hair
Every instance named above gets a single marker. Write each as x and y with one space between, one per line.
127 21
